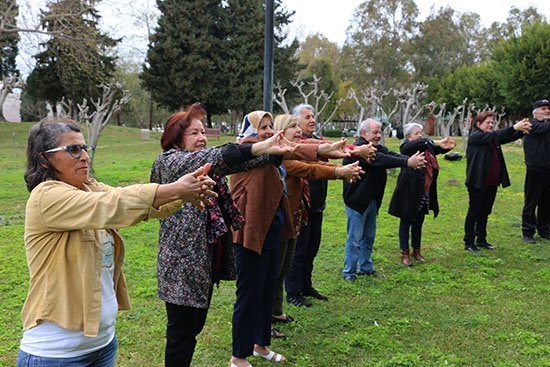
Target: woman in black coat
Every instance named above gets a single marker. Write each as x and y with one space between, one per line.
416 190
485 171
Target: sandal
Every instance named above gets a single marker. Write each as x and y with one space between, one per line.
286 320
277 334
231 364
271 356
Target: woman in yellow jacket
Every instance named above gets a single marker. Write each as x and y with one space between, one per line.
74 252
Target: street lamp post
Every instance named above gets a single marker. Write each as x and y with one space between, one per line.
268 56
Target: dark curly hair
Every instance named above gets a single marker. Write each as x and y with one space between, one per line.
43 136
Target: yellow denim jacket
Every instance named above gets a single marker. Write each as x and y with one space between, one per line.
64 254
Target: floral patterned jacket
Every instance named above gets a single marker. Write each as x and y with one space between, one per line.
187 238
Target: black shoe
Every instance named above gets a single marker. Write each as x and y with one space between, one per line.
277 334
373 274
485 245
472 248
298 301
286 320
545 235
312 292
527 238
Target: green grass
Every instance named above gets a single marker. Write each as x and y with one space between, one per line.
457 309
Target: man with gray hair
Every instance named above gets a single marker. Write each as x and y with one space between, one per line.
364 197
536 146
298 283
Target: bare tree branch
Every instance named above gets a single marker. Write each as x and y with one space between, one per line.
279 98
113 98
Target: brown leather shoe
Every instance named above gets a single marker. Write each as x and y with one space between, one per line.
405 257
416 254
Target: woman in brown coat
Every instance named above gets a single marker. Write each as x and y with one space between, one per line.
261 195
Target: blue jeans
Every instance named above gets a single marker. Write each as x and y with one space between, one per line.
360 241
104 357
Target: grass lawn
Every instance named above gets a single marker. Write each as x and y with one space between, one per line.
457 309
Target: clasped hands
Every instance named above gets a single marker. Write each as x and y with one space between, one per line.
523 125
417 160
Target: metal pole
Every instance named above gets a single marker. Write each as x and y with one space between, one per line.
268 57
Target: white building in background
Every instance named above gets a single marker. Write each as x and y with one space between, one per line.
12 107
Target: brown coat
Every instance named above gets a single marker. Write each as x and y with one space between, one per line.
297 171
257 194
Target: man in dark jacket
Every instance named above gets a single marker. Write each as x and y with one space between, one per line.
536 145
364 197
485 171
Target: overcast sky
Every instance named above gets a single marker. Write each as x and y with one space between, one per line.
323 16
329 17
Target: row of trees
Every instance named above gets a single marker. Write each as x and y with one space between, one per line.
391 65
388 50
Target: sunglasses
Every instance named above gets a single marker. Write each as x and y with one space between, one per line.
75 150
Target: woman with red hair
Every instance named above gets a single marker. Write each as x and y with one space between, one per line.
193 244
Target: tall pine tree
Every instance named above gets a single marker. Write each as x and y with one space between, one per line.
212 52
286 59
245 45
183 63
77 58
8 40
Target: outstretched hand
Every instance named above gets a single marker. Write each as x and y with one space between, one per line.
446 143
523 125
417 161
365 151
350 172
334 150
277 145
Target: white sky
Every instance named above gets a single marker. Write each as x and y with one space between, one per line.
328 17
332 17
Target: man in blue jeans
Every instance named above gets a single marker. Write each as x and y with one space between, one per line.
364 197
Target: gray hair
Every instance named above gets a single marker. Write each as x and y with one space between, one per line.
297 110
43 136
409 128
365 125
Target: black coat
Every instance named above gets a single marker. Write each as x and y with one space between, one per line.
409 189
359 194
318 188
480 157
536 146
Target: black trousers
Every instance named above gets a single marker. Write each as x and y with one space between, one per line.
536 206
256 275
480 206
414 227
184 324
298 278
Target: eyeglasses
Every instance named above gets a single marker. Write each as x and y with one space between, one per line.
75 150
